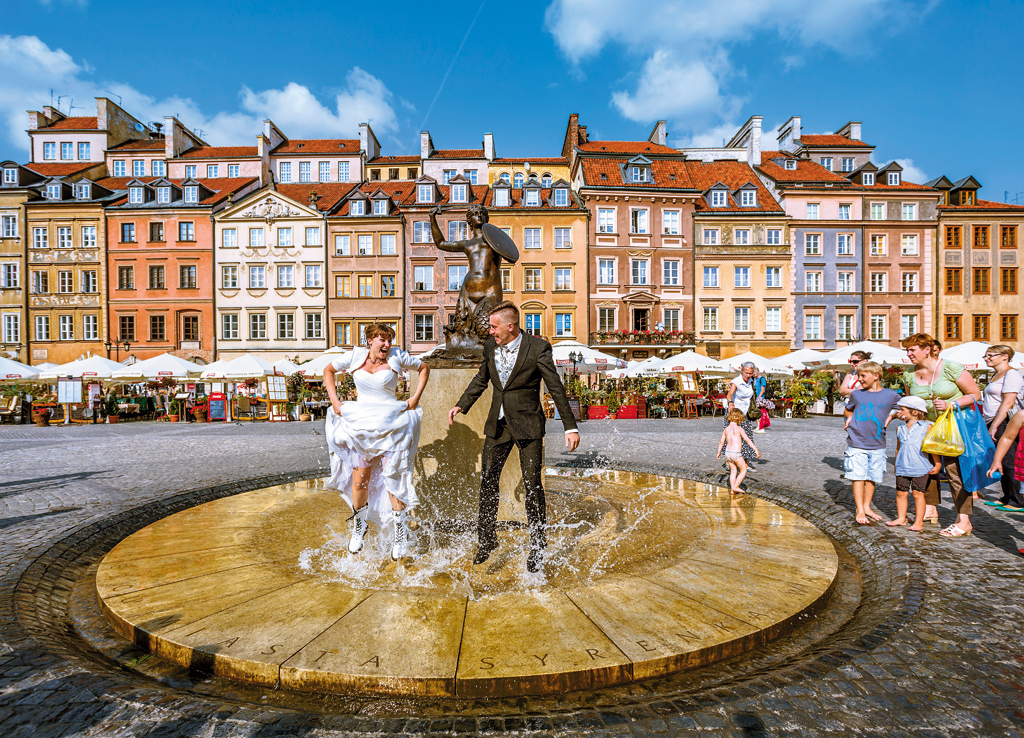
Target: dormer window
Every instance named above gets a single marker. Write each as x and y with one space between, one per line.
356 208
53 191
135 196
380 207
501 198
505 178
424 193
82 191
459 193
869 178
638 174
10 176
790 164
163 195
518 180
894 179
192 194
748 198
531 198
561 197
545 181
718 199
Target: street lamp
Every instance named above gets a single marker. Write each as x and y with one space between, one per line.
575 357
117 345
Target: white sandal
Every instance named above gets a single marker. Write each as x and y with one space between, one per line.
955 531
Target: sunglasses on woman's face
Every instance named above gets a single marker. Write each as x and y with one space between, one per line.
855 362
988 357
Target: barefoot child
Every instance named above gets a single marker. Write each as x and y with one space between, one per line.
732 438
867 414
913 466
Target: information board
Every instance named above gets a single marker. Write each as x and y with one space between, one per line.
277 389
218 406
69 389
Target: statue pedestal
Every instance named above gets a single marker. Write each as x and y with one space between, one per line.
448 462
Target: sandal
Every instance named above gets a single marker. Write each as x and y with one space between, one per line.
955 532
1010 508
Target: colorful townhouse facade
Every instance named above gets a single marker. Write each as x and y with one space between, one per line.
160 261
18 185
978 266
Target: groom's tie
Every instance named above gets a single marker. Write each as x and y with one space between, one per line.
504 364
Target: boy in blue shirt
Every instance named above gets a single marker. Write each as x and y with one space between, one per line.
913 466
867 415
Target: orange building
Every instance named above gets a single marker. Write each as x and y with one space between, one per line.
160 264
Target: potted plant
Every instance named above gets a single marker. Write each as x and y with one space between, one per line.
113 411
200 408
174 413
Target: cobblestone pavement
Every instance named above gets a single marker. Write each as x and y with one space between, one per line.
931 648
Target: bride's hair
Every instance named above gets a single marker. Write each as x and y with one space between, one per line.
378 329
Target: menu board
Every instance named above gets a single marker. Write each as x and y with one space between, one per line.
218 406
277 389
69 389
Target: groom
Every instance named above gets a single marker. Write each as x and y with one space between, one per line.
514 363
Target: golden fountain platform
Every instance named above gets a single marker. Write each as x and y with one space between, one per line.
646 575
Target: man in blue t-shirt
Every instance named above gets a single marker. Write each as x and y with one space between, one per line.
867 414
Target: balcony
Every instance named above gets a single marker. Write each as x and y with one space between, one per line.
643 338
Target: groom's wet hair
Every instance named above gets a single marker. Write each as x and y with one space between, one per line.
379 329
508 310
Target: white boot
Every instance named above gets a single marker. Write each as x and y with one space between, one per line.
403 536
355 542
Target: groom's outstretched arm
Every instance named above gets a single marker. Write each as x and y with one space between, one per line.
556 389
476 387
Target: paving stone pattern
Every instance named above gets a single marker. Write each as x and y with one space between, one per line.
928 645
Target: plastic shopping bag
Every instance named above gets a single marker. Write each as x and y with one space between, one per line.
765 420
943 438
978 447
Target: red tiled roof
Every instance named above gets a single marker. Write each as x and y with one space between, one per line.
832 140
74 124
62 170
120 183
984 205
806 170
330 192
399 192
733 174
410 159
318 146
221 152
221 187
626 147
457 154
556 160
901 186
663 171
149 144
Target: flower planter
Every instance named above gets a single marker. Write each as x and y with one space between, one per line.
305 417
173 418
113 418
199 415
597 412
627 412
42 417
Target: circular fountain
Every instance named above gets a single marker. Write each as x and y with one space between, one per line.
646 575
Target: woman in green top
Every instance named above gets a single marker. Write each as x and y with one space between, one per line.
941 383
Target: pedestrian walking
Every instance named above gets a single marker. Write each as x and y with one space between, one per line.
740 396
868 412
1001 400
913 467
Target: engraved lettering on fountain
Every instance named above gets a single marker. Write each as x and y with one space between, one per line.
228 643
593 653
486 662
375 661
644 645
542 659
273 649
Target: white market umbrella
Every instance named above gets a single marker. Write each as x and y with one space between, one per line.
687 362
46 366
94 366
11 369
970 354
764 365
285 366
157 367
799 358
593 360
340 350
245 366
621 373
646 368
315 367
880 352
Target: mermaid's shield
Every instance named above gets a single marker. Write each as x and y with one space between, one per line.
501 242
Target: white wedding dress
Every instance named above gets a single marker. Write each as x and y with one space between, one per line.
376 428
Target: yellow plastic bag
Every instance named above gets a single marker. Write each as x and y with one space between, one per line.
943 438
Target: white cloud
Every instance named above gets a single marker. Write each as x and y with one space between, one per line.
29 68
669 88
912 173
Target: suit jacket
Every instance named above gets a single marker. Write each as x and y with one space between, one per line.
521 396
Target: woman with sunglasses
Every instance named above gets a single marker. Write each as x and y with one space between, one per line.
850 382
1000 403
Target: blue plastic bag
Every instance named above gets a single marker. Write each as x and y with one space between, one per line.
978 447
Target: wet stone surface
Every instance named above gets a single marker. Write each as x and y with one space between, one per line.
927 644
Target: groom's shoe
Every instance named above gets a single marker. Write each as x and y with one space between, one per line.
535 561
483 553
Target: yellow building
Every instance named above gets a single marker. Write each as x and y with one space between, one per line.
17 187
549 283
517 171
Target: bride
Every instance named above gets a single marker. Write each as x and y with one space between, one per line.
373 440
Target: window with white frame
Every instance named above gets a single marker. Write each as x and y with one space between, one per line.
812 282
42 327
257 326
135 196
501 198
314 325
229 326
710 319
869 178
285 325
638 269
257 277
425 193
120 168
50 150
670 319
423 278
531 238
380 206
773 277
67 327
40 283
826 161
229 238
844 282
844 244
255 238
531 198
561 197
284 237
741 237
190 171
343 171
473 174
10 226
773 237
605 319
341 245
518 179
82 191
40 238
638 173
423 327
909 282
88 281
456 276
908 326
638 220
84 151
773 319
446 176
191 194
878 211
533 279
844 211
563 278
844 327
894 178
878 281
285 276
365 244
285 172
64 235
90 327
877 325
812 210
741 277
710 236
908 245
718 198
357 207
710 276
506 279
790 164
53 191
670 272
324 171
421 232
563 238
910 211
670 222
741 319
163 195
748 198
67 150
458 230
563 324
212 171
10 176
159 167
387 244
605 220
229 277
9 276
458 193
606 271
878 246
812 327
812 244
847 164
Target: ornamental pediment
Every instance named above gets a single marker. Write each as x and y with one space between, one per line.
268 205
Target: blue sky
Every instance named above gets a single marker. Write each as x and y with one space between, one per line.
935 82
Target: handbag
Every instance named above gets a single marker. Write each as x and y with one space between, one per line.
943 438
978 447
753 412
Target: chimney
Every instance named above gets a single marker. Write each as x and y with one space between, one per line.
368 142
789 134
851 130
660 134
426 145
754 145
489 146
571 131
